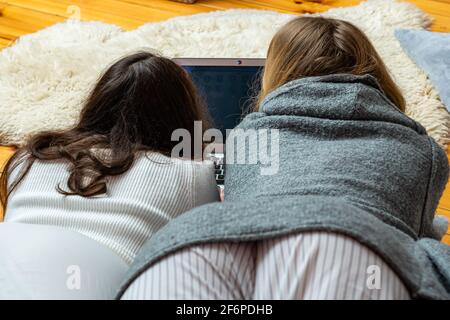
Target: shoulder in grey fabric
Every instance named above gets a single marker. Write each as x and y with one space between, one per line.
350 162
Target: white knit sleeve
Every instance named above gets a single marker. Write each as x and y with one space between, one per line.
205 189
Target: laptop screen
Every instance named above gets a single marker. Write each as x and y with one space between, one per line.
228 91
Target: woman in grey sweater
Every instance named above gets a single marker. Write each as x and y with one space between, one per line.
348 212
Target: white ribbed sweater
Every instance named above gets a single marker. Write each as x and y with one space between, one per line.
139 202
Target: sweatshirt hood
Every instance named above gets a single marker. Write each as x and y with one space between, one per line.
336 97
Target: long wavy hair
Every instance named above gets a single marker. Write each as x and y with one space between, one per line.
316 46
135 106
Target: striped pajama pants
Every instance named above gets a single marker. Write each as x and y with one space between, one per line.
312 265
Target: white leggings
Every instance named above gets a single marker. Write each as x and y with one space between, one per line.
313 265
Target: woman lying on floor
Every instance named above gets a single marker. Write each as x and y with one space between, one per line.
349 214
110 179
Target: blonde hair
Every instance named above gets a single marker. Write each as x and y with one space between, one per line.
313 46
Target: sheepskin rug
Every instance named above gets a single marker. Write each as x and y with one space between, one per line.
46 76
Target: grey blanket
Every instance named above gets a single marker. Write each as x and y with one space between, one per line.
349 162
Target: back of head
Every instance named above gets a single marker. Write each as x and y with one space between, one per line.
136 105
313 46
139 101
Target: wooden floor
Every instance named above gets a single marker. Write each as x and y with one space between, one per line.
19 17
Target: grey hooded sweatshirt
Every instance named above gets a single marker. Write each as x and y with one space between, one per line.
349 162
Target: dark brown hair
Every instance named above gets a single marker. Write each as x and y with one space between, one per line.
135 106
315 46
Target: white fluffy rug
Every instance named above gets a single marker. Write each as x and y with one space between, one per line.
45 76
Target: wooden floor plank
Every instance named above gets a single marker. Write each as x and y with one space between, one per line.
127 15
280 5
446 240
18 17
5 42
442 1
439 10
444 204
5 154
15 21
170 6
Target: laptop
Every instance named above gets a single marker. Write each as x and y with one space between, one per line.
229 87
